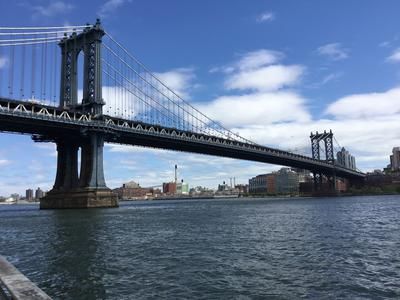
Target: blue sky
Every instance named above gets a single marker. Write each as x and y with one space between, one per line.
271 70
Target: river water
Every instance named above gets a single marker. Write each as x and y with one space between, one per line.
323 248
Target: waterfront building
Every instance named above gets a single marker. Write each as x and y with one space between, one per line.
39 193
182 188
169 188
29 195
284 181
131 185
258 184
201 191
263 184
379 179
242 188
395 159
271 183
132 190
133 193
15 197
223 187
287 181
304 175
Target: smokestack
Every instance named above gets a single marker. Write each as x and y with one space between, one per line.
230 179
234 181
176 174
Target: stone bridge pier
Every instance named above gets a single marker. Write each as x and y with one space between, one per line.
88 189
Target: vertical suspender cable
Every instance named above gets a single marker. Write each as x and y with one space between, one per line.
22 72
33 65
41 73
51 79
107 84
11 71
56 75
45 71
2 64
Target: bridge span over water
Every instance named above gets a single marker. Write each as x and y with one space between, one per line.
121 102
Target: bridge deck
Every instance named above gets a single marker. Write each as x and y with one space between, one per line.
50 122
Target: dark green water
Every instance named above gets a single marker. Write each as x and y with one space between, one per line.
347 248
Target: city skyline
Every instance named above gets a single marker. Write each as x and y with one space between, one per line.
321 79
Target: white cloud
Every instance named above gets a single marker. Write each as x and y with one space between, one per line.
266 17
4 162
250 61
52 9
366 105
326 79
330 77
49 148
334 51
267 78
395 57
370 140
257 109
255 59
259 71
110 6
179 80
385 44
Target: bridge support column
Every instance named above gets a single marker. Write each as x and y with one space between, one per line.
317 182
90 190
324 185
67 166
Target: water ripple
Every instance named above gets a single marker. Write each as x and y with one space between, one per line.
345 248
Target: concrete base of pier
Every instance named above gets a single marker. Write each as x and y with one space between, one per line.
80 198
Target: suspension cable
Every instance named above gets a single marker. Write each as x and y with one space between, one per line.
130 82
26 40
228 132
30 43
43 28
58 33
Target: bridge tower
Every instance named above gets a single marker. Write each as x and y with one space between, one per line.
327 139
88 188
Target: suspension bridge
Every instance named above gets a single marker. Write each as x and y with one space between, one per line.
106 95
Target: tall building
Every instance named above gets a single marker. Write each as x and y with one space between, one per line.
395 159
345 159
287 181
39 193
29 194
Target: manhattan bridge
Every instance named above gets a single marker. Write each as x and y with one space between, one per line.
106 95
